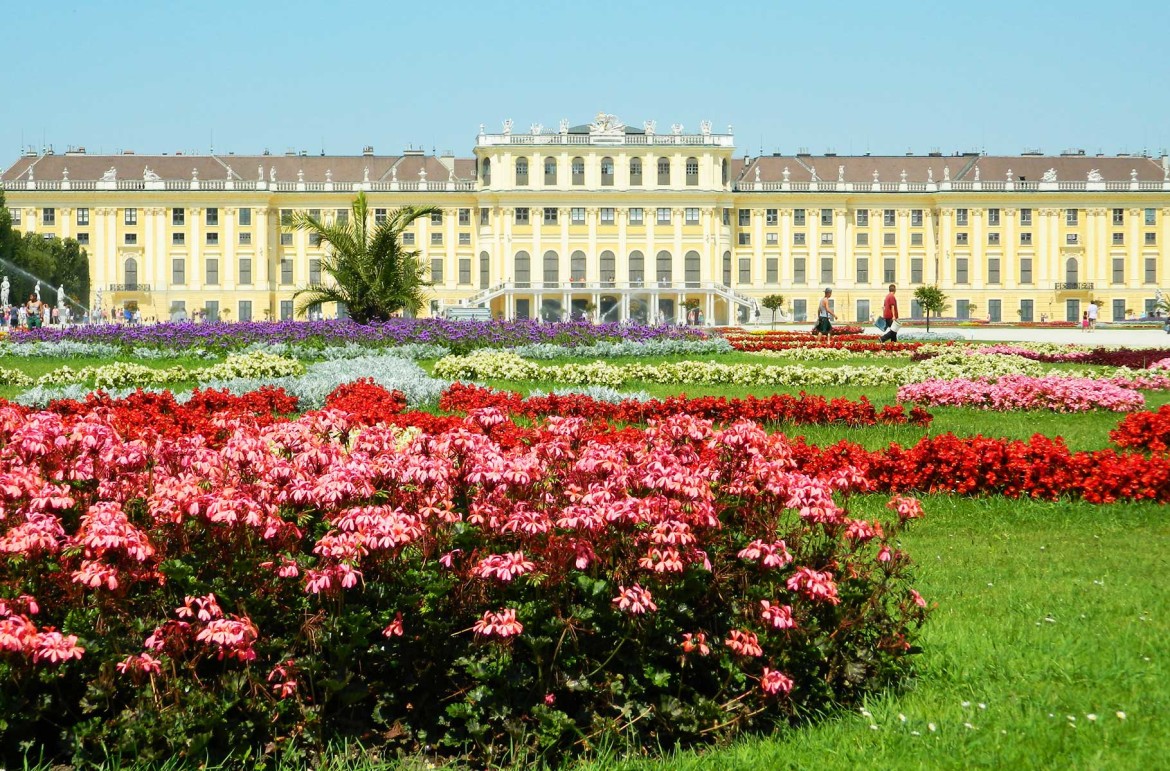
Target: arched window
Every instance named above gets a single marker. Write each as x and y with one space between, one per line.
637 268
664 268
663 171
607 172
523 269
727 268
522 172
692 171
1072 272
552 270
608 268
577 267
131 273
485 268
550 171
691 266
578 171
636 171
486 170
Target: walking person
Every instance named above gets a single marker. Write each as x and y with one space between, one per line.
1092 316
825 315
890 315
1084 321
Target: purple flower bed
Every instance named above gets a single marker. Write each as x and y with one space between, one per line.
460 336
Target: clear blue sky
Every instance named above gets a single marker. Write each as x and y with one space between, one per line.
887 77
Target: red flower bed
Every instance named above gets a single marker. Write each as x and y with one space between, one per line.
1144 430
804 409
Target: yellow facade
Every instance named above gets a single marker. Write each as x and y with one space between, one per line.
613 222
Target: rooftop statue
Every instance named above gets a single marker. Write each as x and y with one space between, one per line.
606 124
110 175
1095 176
1049 176
149 175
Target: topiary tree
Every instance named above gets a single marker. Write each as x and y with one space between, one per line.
773 302
932 300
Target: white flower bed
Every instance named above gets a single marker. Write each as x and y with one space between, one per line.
605 349
597 393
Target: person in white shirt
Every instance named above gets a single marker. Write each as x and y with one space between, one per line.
1092 316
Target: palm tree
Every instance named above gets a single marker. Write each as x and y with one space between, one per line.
373 276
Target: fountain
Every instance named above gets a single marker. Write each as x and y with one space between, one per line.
19 295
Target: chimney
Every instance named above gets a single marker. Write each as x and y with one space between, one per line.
368 151
448 160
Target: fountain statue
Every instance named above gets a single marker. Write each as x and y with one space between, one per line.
37 291
5 288
61 298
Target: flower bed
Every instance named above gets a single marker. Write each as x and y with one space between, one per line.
1022 392
1133 358
779 408
1144 431
478 589
459 336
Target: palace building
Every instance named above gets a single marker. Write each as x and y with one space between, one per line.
616 222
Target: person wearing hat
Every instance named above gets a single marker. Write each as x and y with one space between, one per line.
825 315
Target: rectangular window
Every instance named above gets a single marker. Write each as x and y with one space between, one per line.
1119 310
314 271
485 215
798 239
889 270
245 271
379 216
341 216
889 239
727 217
1025 217
178 239
521 215
915 270
1119 216
82 217
464 239
465 271
606 215
1118 270
994 311
1026 314
800 310
245 310
993 217
772 238
692 215
862 216
863 239
577 215
16 221
408 239
178 271
83 239
963 309
130 216
636 216
745 270
826 216
916 218
961 239
48 216
245 217
863 270
826 270
213 239
465 217
745 217
1151 239
663 215
1119 239
772 270
550 215
961 273
178 217
1025 239
745 238
437 218
1025 270
286 310
212 272
826 239
993 270
798 271
1151 270
286 271
1071 239
1151 217
286 217
245 239
314 239
771 216
131 239
211 218
889 218
863 311
916 239
1071 216
437 238
798 218
437 270
993 239
961 218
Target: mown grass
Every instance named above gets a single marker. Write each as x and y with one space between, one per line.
1049 614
